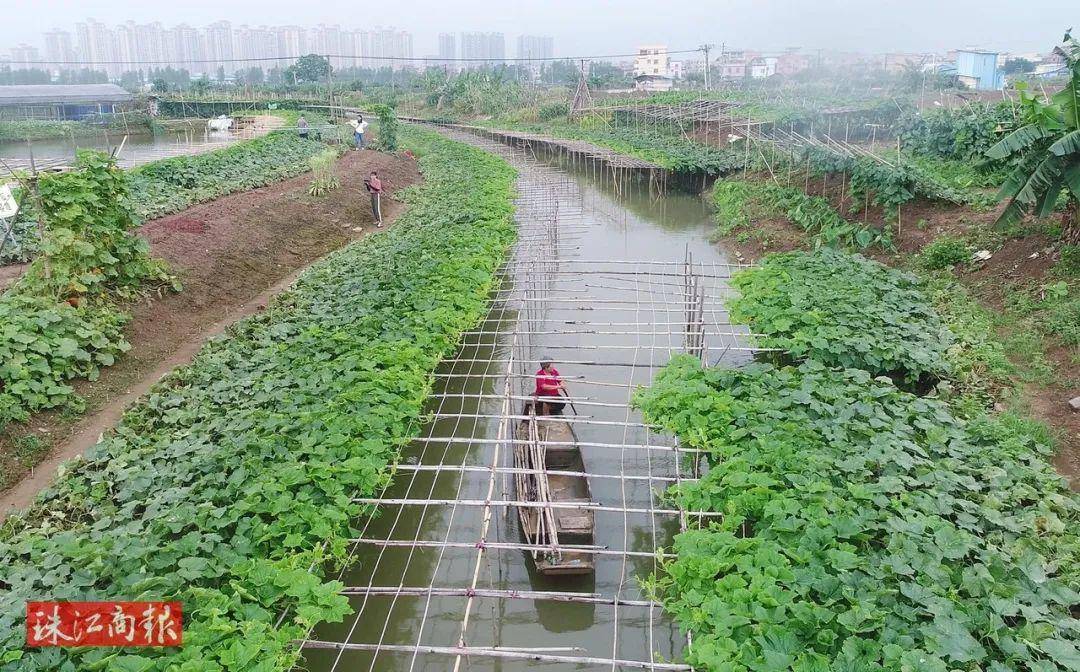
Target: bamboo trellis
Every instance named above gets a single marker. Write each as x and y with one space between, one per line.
620 320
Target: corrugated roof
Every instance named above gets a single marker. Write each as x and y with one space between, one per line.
33 94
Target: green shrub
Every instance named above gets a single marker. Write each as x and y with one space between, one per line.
553 111
843 310
944 252
1063 319
1069 264
230 486
388 128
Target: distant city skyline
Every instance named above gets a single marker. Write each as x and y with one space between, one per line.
130 46
594 27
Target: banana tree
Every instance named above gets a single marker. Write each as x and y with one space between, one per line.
1046 153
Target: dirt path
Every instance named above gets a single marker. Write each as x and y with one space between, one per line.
232 255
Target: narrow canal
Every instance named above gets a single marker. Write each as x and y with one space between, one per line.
597 283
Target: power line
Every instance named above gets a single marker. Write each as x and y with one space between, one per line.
346 56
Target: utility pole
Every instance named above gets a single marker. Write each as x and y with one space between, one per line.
705 48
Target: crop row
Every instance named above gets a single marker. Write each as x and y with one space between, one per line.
170 185
864 527
737 202
231 484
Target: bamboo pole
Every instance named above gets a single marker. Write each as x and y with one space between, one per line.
460 651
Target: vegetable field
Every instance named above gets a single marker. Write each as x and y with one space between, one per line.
230 487
864 527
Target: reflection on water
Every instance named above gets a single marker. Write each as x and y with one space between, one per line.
135 144
632 226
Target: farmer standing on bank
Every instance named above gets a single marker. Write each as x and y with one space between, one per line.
374 188
549 389
359 126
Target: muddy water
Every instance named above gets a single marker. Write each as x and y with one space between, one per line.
630 226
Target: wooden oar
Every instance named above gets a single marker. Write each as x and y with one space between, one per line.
568 400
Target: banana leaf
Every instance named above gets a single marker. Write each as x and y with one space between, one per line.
1019 139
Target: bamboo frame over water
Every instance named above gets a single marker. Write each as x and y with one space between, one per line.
678 301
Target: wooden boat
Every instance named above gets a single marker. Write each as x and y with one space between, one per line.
548 526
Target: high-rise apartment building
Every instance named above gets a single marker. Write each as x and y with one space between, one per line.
25 56
386 47
533 50
291 41
186 49
220 46
59 50
483 49
97 47
448 50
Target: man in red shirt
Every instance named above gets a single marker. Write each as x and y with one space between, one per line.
549 389
374 187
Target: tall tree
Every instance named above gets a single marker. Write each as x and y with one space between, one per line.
1046 150
309 68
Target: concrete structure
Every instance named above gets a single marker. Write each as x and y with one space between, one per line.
977 69
651 60
61 101
488 48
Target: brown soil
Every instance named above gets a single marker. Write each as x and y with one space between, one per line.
10 273
231 255
1016 261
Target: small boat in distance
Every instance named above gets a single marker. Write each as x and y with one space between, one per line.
545 444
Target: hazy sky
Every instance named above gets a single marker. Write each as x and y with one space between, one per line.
587 27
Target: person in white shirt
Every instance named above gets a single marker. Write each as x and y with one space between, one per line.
359 126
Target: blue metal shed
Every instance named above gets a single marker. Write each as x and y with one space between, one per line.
978 70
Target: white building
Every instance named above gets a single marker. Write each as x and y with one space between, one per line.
652 60
762 67
652 69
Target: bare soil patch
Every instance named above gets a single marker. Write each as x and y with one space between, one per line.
232 255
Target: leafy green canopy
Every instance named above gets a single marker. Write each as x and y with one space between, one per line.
59 322
863 528
736 201
964 133
221 487
843 310
170 185
1046 151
